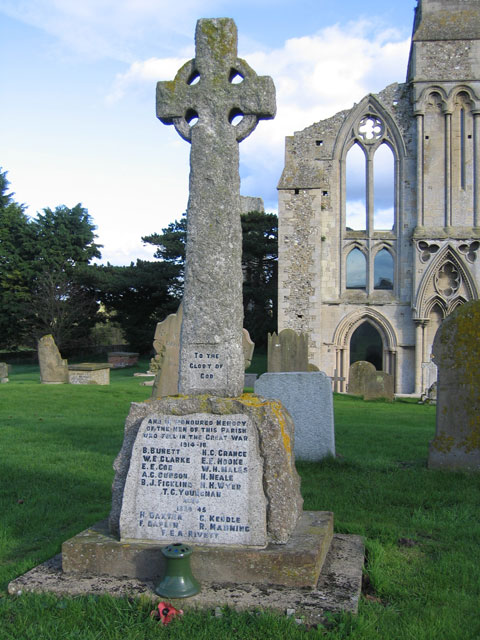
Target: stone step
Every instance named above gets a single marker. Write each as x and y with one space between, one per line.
295 564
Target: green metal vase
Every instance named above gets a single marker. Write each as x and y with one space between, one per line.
178 581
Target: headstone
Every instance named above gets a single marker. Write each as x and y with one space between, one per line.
166 343
122 359
430 396
379 385
456 350
89 373
53 369
309 400
429 375
211 335
248 347
208 465
3 372
287 351
358 374
250 379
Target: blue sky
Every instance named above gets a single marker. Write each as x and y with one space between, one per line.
77 102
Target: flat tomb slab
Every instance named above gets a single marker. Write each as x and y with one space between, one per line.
297 563
338 588
89 373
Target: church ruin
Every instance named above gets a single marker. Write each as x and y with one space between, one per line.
371 277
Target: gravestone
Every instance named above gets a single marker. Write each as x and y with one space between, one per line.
429 375
364 380
287 351
309 400
3 372
456 349
53 369
166 343
379 385
167 347
358 374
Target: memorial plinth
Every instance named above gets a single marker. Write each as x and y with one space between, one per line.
207 470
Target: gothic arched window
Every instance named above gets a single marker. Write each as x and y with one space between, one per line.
356 270
383 270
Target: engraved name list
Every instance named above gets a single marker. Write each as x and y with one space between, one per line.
193 478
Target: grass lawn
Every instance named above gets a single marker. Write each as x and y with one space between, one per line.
421 528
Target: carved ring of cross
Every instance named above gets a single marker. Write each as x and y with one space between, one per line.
249 121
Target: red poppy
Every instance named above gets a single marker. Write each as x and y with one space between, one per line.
165 612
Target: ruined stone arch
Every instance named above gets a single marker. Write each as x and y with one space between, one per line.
348 134
429 289
343 334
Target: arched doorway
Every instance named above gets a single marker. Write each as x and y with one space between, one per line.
364 334
366 344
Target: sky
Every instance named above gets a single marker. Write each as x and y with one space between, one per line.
77 97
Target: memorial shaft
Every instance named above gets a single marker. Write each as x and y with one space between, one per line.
204 95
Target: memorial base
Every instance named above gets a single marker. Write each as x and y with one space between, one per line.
338 588
295 564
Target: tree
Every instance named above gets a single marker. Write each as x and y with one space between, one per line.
259 262
137 297
16 252
42 282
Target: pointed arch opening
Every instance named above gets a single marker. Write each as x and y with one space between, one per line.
383 270
356 189
384 188
356 270
366 344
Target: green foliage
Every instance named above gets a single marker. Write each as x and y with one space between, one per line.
259 263
137 297
16 272
42 289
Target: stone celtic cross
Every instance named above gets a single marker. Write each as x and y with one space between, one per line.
204 101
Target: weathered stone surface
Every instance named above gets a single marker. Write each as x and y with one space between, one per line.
457 354
53 369
248 347
212 324
358 374
248 203
379 385
270 437
167 346
89 373
166 361
433 235
297 563
3 372
250 379
309 400
122 359
287 352
338 587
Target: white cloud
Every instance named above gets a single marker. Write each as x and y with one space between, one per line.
108 28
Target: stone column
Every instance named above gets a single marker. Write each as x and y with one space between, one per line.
420 180
419 325
476 169
448 169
